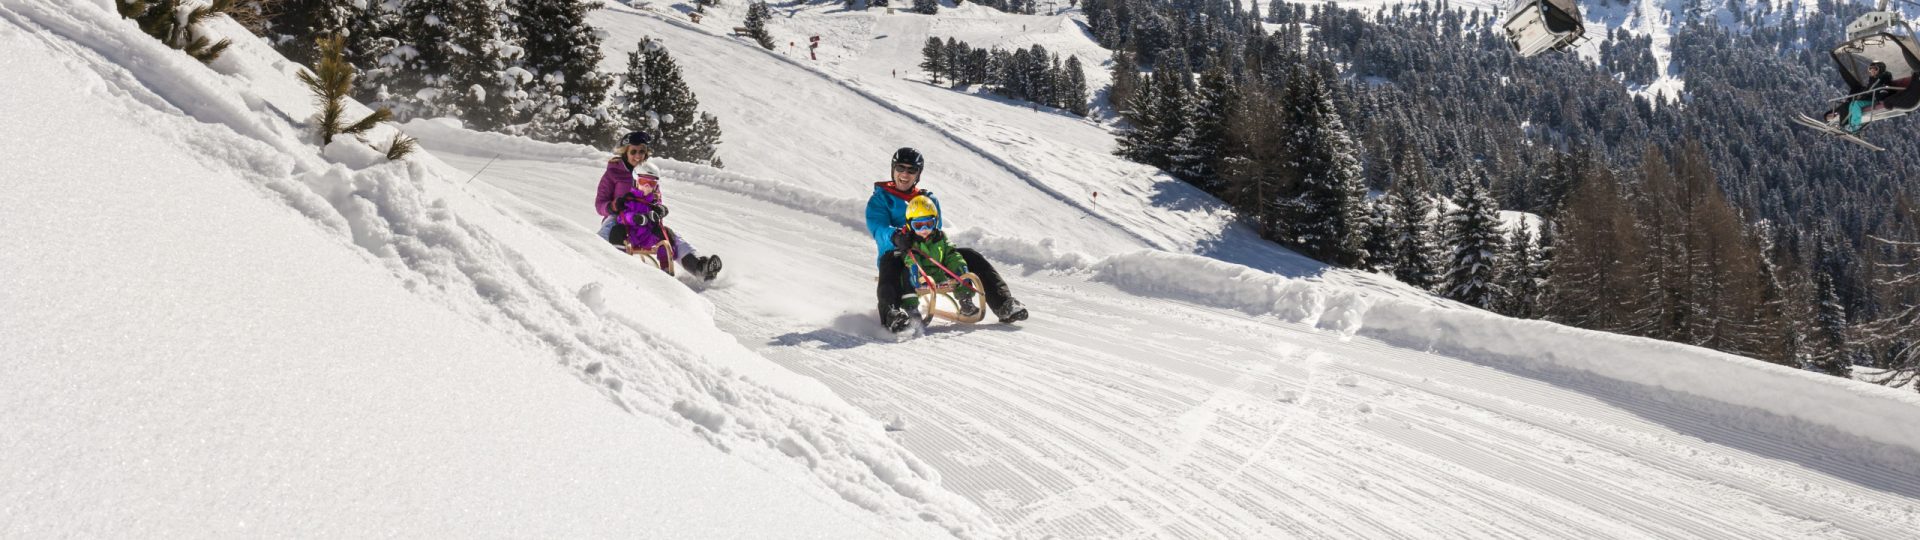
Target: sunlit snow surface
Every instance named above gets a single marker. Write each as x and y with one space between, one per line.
214 327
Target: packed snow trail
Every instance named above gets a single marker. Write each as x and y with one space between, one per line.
1109 415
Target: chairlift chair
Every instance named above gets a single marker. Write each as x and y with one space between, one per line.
1537 26
1878 36
1873 38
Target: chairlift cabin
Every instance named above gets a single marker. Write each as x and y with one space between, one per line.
1536 26
1873 38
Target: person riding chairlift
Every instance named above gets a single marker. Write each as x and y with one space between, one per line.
1879 86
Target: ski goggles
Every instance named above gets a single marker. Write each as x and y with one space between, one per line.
923 224
905 168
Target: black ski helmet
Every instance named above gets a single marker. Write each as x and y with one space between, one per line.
638 137
911 158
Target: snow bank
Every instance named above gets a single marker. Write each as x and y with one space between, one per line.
1761 395
640 341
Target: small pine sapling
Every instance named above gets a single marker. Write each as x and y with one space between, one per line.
331 82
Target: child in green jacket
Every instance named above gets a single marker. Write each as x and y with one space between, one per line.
922 244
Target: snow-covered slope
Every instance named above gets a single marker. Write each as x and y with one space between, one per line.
236 334
210 329
1195 382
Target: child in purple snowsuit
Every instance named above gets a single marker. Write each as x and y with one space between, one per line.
631 207
641 219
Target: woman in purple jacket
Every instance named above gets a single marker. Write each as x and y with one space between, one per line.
631 207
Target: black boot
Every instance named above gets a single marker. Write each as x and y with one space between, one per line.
967 306
1011 311
897 319
705 267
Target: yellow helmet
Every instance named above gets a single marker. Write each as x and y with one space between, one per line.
920 207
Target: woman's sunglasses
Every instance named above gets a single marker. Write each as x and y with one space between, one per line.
906 169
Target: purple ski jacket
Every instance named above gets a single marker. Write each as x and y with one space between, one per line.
619 181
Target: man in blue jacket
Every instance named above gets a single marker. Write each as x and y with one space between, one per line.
886 213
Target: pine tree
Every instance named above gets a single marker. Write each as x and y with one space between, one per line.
702 142
934 60
1250 171
563 54
1598 284
757 15
1075 91
654 97
953 51
1040 75
1197 148
1126 82
1897 334
1140 142
1722 261
1014 77
1520 276
1381 232
1835 354
1325 216
1476 244
455 63
296 24
926 7
1542 273
1412 214
1784 308
375 45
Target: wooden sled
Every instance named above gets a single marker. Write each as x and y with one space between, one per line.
930 294
647 253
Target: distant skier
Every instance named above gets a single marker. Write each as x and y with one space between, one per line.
924 247
631 206
887 214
